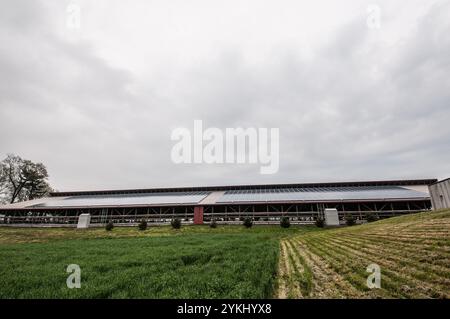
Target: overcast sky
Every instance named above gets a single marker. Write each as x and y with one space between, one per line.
97 104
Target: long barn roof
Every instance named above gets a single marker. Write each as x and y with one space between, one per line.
409 182
238 194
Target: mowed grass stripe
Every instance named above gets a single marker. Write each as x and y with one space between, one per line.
427 260
393 279
354 269
283 274
294 290
303 271
413 239
326 282
437 246
404 257
440 245
340 265
413 252
401 270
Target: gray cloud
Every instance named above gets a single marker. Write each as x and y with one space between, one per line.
362 104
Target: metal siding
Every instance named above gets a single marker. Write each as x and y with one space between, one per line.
438 189
433 192
446 193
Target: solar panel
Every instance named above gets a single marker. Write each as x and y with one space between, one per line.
322 194
128 199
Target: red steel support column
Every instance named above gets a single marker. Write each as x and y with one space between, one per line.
198 215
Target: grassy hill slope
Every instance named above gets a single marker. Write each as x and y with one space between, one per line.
413 253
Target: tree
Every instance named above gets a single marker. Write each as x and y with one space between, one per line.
285 222
176 223
248 222
22 179
3 185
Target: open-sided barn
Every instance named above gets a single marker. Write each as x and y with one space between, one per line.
302 203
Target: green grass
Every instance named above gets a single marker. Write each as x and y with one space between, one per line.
412 251
194 262
13 235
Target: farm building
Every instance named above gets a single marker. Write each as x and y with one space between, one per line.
302 203
440 194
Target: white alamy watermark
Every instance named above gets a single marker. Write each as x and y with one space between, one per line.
374 279
73 18
74 279
230 146
373 16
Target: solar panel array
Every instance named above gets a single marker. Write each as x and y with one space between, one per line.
320 194
240 196
128 199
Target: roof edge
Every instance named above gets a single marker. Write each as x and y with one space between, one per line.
441 181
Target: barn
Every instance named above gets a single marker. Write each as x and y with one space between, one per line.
440 194
302 203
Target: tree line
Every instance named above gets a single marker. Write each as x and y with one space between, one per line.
22 179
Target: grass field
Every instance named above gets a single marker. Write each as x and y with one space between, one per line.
412 251
194 262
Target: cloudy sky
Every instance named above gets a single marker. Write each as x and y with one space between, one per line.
97 104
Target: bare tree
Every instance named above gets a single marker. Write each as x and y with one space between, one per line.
3 185
22 179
